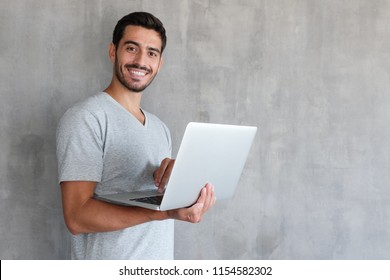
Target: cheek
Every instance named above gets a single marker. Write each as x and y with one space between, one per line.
158 66
124 57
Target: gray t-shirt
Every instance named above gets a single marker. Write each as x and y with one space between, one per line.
99 140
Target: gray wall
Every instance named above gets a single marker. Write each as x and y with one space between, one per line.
313 75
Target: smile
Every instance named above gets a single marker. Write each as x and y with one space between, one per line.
138 73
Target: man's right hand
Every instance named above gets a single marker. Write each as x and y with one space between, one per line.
195 213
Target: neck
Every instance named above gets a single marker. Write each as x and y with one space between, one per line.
131 101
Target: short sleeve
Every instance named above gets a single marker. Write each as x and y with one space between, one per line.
80 152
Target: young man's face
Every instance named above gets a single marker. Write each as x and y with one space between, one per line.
137 59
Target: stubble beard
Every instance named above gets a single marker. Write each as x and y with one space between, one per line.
131 87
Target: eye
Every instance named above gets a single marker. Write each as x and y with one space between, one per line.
153 54
131 49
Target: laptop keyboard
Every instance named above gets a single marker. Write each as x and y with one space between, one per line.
151 200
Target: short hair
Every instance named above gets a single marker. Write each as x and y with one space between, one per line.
142 19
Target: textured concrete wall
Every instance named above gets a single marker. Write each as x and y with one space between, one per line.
314 76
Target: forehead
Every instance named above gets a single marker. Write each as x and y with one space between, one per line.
143 36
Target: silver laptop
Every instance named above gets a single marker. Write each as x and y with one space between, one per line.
209 153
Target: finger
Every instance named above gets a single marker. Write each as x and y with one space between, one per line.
210 197
166 175
202 205
159 173
202 196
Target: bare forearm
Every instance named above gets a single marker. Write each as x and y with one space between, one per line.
98 216
84 214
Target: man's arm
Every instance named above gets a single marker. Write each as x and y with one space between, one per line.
84 214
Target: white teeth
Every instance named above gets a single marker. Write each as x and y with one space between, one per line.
138 73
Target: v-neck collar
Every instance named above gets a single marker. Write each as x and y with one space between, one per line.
116 103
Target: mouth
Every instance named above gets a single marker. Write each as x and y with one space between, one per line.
137 72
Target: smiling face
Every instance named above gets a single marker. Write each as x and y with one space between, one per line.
137 59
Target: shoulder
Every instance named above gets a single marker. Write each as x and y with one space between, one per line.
87 113
92 107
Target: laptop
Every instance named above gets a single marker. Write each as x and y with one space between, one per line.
208 153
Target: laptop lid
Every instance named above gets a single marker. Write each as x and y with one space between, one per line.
209 153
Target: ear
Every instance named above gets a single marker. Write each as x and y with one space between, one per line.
160 65
112 52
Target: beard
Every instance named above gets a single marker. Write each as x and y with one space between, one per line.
134 87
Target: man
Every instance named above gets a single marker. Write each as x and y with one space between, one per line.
108 144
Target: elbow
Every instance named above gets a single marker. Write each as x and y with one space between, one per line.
73 226
73 230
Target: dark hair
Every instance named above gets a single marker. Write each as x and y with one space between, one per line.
142 19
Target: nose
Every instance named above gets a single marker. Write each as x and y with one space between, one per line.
140 58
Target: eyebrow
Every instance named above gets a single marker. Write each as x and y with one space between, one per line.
128 42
